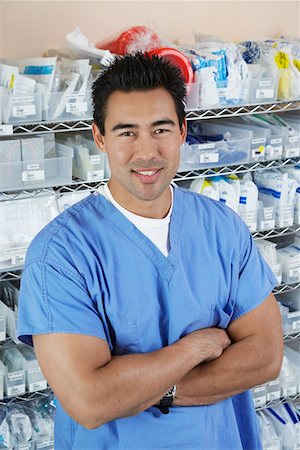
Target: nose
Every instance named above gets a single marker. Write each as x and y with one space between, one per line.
146 148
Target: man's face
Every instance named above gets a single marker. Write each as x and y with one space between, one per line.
142 140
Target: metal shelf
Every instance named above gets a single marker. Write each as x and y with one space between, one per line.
276 232
278 402
27 397
291 336
243 110
12 275
85 124
230 170
285 288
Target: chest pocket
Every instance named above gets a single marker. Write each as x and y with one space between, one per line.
221 316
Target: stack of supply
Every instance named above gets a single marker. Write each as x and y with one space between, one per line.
290 258
268 251
270 438
294 173
21 220
28 426
9 296
36 88
221 73
279 190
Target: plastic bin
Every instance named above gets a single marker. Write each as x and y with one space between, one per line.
17 109
35 380
11 365
273 390
214 154
55 169
62 106
265 217
260 395
250 219
290 259
263 89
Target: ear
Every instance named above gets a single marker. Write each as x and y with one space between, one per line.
98 138
183 131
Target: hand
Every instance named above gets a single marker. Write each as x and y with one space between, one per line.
206 344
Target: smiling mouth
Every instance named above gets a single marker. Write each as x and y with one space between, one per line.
147 173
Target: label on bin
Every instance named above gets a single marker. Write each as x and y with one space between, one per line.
209 157
268 212
296 325
275 395
95 159
45 443
276 151
75 103
23 110
17 260
95 175
264 93
29 99
294 271
260 401
267 224
276 141
291 152
16 390
24 447
33 167
6 129
33 175
291 390
293 139
276 269
38 386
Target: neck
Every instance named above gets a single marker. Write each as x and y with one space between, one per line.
152 209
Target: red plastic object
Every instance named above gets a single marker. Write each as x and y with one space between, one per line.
135 39
178 59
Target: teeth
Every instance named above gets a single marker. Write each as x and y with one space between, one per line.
148 172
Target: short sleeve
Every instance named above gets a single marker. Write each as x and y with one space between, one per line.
55 300
255 279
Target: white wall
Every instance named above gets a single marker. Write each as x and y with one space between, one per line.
1 29
31 27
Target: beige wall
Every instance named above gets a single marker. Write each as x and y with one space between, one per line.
31 27
1 29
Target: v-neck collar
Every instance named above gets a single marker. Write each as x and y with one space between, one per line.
165 265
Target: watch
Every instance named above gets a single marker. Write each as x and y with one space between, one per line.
167 400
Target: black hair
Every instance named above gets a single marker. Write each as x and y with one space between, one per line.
140 72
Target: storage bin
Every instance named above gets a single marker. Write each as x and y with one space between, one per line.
35 380
263 89
290 259
214 154
250 219
14 375
62 106
55 169
273 390
260 395
265 217
18 110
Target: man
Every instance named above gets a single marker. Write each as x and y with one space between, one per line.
127 294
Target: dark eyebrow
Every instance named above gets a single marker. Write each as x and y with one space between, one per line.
163 122
121 126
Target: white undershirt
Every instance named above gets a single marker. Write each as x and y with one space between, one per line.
157 230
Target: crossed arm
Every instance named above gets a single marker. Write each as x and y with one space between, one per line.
206 366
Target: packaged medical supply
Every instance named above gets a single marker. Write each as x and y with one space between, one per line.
294 173
19 424
270 439
229 190
11 366
35 380
21 220
265 217
290 258
9 295
248 202
292 352
205 187
268 251
260 395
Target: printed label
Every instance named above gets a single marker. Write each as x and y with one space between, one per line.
276 141
38 386
267 224
274 383
13 391
15 249
95 175
260 401
258 141
205 146
292 139
273 395
259 389
258 152
290 391
23 111
264 83
79 96
15 376
33 166
24 447
296 325
17 260
45 443
268 212
292 152
209 157
276 151
33 175
34 370
294 272
76 107
22 100
95 159
264 93
6 129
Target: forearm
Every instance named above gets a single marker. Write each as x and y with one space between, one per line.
130 384
241 366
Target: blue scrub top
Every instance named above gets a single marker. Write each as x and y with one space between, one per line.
91 271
